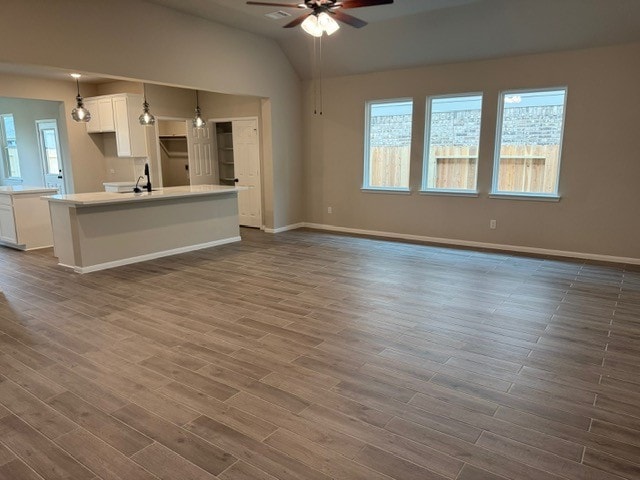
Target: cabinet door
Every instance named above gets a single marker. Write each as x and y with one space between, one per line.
93 125
105 112
121 117
7 225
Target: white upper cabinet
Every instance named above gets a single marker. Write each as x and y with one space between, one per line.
101 109
119 113
105 112
130 135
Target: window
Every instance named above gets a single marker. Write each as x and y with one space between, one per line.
529 142
9 146
388 144
451 143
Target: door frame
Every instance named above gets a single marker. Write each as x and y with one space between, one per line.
156 129
43 160
260 166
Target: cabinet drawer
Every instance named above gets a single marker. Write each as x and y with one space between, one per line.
5 200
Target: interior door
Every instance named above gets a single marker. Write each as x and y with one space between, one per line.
50 154
200 150
246 157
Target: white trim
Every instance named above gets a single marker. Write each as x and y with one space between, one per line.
467 243
367 133
526 196
293 226
16 246
151 256
452 193
393 191
427 137
260 156
498 137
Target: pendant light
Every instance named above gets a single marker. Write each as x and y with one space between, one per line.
146 119
198 121
79 114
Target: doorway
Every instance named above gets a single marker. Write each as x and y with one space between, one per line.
237 143
172 162
225 152
50 154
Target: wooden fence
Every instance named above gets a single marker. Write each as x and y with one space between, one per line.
389 167
452 167
522 168
529 168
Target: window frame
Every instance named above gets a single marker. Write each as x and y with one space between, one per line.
366 187
4 149
495 193
427 147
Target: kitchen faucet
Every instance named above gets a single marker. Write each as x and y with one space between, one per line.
146 172
147 187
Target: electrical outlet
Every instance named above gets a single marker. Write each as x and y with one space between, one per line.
329 209
112 171
493 224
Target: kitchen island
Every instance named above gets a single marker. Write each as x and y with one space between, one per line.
96 231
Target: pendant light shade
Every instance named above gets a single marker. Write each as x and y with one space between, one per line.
80 113
316 25
146 118
327 23
198 121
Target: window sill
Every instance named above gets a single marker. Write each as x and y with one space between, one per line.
392 191
13 181
451 193
525 196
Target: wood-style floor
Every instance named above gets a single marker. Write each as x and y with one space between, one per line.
307 355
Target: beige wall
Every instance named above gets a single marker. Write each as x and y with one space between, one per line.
600 165
25 115
84 154
168 102
134 39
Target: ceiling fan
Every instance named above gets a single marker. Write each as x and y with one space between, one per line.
324 13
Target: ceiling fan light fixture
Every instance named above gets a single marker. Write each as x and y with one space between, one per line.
312 26
327 23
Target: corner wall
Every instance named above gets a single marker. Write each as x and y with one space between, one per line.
140 40
599 175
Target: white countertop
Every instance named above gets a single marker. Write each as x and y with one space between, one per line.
21 190
121 184
106 198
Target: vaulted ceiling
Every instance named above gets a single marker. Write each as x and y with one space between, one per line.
410 33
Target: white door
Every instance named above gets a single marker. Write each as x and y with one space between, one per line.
246 157
200 147
50 154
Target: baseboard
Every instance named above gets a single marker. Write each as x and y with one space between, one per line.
472 244
152 256
293 226
16 246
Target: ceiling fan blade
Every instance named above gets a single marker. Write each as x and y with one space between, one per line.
271 4
361 3
297 21
348 19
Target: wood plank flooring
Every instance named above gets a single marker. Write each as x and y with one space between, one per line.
308 355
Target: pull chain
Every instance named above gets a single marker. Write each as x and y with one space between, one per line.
320 68
315 80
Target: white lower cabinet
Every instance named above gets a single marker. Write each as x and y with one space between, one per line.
25 222
7 225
